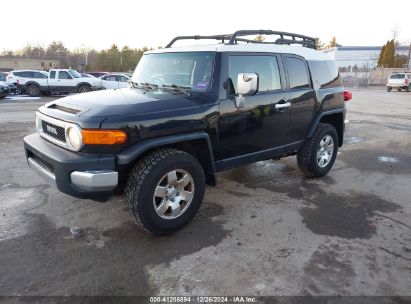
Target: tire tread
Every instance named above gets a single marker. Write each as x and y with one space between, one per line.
136 179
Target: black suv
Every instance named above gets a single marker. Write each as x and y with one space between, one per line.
189 113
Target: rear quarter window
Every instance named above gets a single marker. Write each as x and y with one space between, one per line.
324 74
297 73
24 74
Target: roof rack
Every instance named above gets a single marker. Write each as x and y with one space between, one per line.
223 38
284 38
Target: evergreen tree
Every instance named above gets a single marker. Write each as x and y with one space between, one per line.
380 57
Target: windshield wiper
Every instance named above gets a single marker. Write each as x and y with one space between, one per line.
144 85
178 88
150 85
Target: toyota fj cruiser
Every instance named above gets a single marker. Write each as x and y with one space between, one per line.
189 113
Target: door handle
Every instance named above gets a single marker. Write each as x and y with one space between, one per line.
280 106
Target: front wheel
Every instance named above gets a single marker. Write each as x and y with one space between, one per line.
164 190
317 155
84 89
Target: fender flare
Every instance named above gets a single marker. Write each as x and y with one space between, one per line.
130 154
317 119
83 83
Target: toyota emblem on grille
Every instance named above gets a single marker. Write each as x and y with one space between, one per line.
51 130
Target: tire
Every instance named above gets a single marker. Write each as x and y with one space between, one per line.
33 90
388 89
151 173
307 156
83 89
407 89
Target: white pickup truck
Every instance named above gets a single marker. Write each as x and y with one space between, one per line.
61 81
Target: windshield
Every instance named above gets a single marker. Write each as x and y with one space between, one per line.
397 76
74 73
191 70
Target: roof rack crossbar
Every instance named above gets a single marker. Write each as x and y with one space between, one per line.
198 37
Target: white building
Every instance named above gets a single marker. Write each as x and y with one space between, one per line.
364 57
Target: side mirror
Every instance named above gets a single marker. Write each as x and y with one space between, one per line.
247 85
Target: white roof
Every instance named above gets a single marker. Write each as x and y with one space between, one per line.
307 53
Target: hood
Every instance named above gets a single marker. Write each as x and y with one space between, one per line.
125 101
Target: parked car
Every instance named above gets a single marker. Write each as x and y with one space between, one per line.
3 76
399 81
98 74
20 78
12 88
115 81
4 89
192 112
57 81
87 75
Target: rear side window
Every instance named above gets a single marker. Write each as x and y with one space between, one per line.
325 74
397 76
123 78
265 66
52 74
297 73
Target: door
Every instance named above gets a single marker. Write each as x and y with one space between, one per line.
264 120
302 97
65 82
110 82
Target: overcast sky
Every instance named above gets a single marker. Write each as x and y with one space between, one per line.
98 24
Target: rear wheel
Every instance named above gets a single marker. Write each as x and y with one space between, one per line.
317 155
165 190
33 90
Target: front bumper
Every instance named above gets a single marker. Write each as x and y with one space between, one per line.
77 174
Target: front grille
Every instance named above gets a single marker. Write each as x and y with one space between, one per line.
46 165
53 131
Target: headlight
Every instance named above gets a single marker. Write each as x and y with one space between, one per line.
75 138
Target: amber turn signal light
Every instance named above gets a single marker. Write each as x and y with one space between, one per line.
103 137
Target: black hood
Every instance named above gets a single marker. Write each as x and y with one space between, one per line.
125 102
